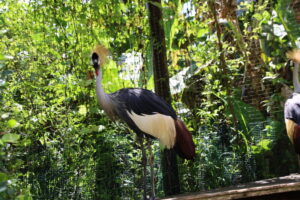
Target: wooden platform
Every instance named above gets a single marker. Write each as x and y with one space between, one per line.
281 188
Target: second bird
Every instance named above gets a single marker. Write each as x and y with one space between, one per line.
292 106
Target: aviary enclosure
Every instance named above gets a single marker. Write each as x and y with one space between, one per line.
221 64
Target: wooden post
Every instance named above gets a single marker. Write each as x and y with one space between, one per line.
162 88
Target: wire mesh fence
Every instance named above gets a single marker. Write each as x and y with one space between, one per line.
253 149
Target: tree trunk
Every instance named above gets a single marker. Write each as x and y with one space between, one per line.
162 88
296 8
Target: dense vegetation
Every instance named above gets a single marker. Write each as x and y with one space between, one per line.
227 67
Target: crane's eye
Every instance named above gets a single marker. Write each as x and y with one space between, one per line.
95 59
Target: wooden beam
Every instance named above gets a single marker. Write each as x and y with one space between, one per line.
272 186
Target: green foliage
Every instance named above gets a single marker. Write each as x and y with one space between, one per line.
244 113
50 116
287 18
55 141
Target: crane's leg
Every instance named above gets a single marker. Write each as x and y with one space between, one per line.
151 162
144 164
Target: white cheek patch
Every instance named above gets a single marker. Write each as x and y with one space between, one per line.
157 125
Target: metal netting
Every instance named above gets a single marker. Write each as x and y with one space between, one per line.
218 163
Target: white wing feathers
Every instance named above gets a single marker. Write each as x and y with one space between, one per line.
157 125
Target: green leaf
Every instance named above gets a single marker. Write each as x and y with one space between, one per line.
258 16
3 177
262 146
24 197
12 123
156 4
243 113
266 15
265 144
2 57
11 138
26 142
82 110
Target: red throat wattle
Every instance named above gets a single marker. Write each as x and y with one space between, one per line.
97 72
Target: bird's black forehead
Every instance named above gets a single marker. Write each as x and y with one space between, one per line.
95 56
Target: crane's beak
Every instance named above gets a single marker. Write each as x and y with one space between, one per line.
95 61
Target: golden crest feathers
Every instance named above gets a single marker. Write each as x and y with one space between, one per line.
102 52
294 55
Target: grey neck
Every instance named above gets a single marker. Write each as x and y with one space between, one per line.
103 98
295 78
101 95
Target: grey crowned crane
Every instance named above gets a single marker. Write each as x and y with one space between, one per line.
143 111
292 106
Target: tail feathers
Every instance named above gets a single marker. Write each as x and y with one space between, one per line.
184 144
296 138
